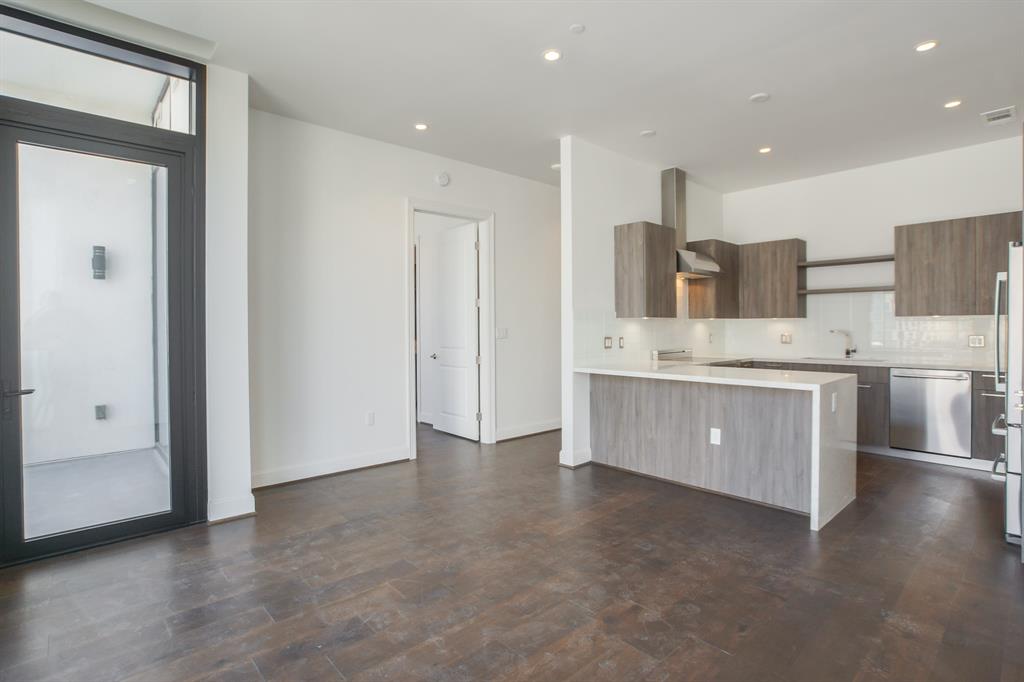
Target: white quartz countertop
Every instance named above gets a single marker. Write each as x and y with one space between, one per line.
907 362
688 370
904 361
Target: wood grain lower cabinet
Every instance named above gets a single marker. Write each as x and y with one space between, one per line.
770 279
986 406
873 414
719 296
645 270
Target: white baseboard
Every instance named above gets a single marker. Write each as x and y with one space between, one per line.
322 467
946 460
579 458
528 429
217 510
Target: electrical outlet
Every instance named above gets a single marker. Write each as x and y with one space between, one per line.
715 436
976 341
101 412
502 333
711 338
607 342
622 342
786 337
370 418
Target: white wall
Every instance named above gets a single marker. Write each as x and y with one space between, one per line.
328 295
227 324
601 189
85 341
852 213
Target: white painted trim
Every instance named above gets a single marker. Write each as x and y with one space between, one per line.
946 460
488 402
217 510
528 429
578 459
331 465
567 455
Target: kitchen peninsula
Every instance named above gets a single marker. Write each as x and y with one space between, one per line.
786 439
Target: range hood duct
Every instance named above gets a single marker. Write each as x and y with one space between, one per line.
689 264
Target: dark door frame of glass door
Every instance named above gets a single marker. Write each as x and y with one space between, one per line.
183 155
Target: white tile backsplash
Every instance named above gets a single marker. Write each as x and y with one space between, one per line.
876 331
869 317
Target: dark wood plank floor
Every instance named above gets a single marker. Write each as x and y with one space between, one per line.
487 563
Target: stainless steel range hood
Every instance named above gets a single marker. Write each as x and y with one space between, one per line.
689 264
693 265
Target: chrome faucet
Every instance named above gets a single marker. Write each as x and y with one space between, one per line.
850 349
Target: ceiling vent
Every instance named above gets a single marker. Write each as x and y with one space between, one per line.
999 116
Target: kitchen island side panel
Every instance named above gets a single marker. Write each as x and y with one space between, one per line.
661 428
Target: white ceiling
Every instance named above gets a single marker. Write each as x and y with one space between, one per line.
847 87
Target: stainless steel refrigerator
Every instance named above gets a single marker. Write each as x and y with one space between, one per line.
1009 373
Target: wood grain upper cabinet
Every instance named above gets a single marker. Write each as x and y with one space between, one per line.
935 268
645 270
949 267
770 279
992 235
718 296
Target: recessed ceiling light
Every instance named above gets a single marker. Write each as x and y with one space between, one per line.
759 97
556 166
648 133
765 150
926 45
552 55
420 126
953 104
577 28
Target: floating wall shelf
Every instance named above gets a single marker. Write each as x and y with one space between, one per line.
845 261
834 262
846 290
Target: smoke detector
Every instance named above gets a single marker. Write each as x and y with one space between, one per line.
999 116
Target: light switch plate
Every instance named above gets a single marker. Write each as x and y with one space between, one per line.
786 337
607 342
502 333
622 342
715 436
835 401
976 341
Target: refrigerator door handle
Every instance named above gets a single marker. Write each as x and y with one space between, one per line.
999 378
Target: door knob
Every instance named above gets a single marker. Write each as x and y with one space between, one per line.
433 356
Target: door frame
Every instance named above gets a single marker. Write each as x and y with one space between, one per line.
485 260
188 399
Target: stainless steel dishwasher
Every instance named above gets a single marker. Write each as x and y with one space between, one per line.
930 411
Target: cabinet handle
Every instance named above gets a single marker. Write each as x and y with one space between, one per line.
863 385
994 395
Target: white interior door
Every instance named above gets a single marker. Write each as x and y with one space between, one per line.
449 344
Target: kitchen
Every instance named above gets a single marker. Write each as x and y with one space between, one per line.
773 286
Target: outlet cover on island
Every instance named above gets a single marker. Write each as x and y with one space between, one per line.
715 436
976 341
